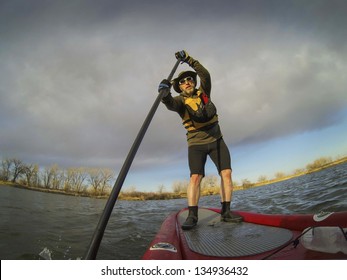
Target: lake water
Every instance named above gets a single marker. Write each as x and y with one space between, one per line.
37 225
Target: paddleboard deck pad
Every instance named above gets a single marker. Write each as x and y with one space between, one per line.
212 237
259 236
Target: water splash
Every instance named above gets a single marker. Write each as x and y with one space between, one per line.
46 254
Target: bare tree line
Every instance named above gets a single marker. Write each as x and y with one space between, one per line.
78 180
96 181
81 180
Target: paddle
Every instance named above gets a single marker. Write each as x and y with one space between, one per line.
100 229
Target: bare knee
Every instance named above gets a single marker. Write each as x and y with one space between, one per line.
226 173
195 179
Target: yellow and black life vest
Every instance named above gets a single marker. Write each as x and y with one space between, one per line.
200 113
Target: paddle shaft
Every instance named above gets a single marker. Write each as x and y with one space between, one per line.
100 229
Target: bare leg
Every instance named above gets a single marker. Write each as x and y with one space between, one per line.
226 190
193 191
193 194
226 193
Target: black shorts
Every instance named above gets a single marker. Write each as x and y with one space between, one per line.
218 152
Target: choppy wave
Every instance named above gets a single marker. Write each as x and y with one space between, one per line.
35 225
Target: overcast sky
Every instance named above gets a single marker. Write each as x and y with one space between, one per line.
77 79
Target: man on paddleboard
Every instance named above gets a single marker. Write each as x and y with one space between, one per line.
204 136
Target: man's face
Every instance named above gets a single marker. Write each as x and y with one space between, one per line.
187 85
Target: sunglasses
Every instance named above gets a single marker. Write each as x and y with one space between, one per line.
183 81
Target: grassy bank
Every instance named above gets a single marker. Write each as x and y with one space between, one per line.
302 173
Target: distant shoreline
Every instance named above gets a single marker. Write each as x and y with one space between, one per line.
331 164
141 196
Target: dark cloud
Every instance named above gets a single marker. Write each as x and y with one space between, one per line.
77 78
